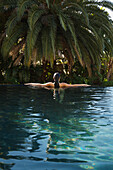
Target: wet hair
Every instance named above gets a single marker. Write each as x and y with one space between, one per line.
56 77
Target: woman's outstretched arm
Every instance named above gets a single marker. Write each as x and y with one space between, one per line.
49 84
34 84
65 85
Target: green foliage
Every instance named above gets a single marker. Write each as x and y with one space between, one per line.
53 30
107 83
44 73
3 18
31 41
34 15
10 24
12 38
22 6
80 30
95 80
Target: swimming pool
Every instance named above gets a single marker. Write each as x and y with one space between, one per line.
72 130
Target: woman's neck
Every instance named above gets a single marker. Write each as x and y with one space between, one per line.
56 84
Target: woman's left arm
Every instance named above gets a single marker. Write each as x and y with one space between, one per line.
65 85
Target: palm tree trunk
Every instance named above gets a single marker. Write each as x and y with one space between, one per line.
89 71
110 70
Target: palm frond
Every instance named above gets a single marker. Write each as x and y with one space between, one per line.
9 41
76 8
108 47
22 6
72 30
71 48
53 32
62 19
44 40
47 50
8 3
34 15
74 49
31 41
90 43
106 4
47 1
39 49
11 22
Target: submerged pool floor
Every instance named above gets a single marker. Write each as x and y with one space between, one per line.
43 129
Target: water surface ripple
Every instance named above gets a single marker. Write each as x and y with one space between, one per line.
72 129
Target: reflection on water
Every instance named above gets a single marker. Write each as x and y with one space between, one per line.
45 129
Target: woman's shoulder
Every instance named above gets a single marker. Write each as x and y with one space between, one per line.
63 85
49 84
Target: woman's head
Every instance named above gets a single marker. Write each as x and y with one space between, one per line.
56 77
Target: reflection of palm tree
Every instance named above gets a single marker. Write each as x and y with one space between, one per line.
36 116
66 128
6 166
13 133
66 135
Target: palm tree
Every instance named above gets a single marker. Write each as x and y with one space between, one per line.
38 30
103 26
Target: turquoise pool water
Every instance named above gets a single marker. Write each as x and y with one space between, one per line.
72 130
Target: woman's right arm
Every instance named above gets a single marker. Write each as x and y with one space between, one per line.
34 84
49 85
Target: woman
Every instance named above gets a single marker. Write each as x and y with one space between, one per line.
56 84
